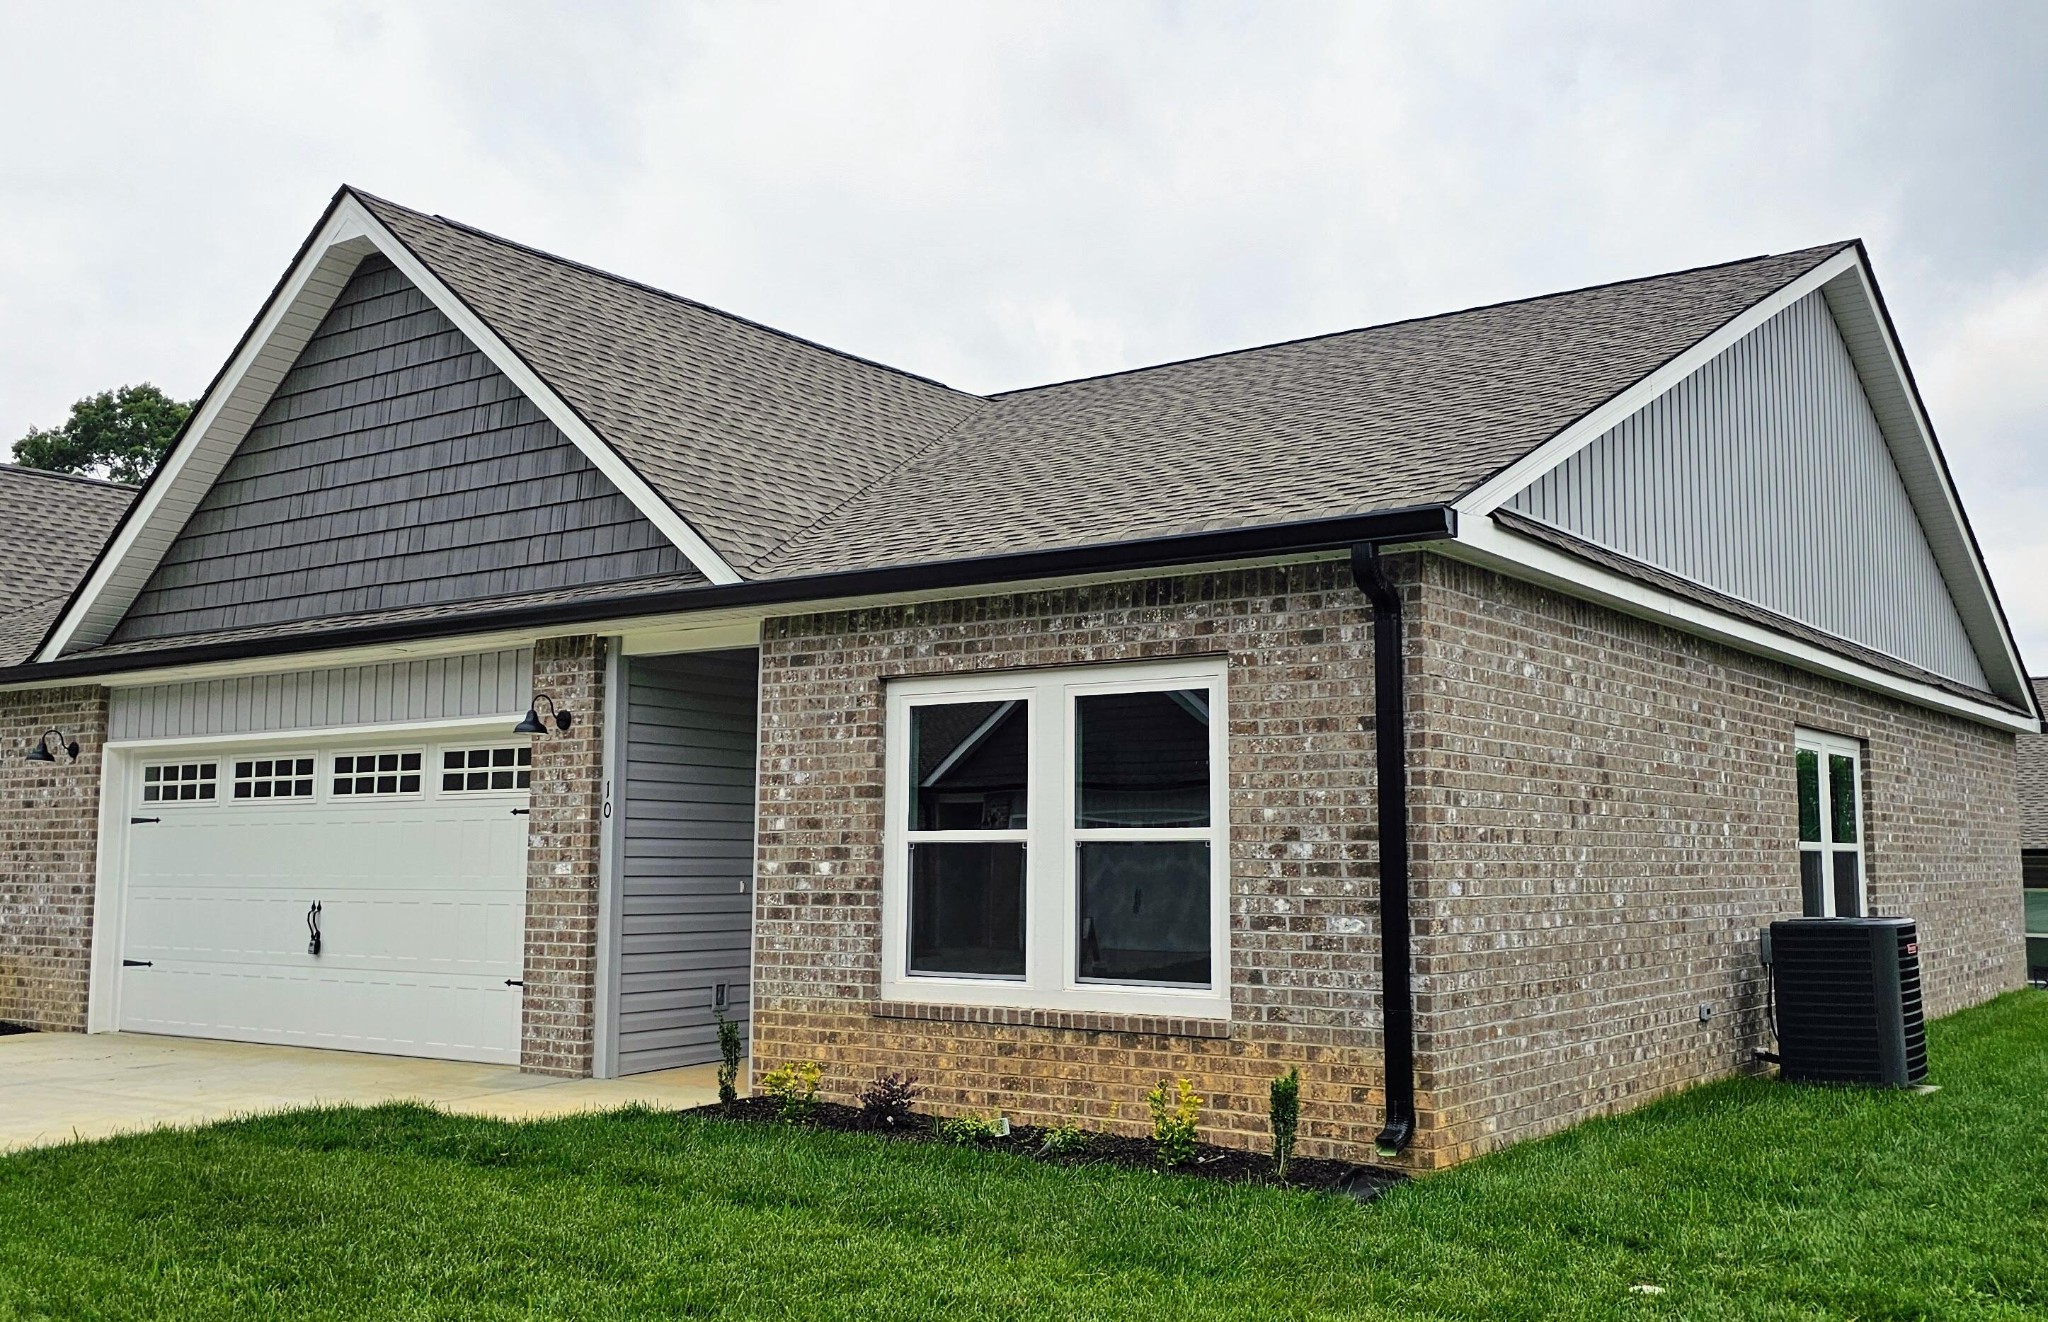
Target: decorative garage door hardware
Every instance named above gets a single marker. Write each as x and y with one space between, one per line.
136 964
313 928
143 821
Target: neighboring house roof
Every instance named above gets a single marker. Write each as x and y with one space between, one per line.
2032 755
58 523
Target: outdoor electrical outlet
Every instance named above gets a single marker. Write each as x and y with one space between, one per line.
1706 1012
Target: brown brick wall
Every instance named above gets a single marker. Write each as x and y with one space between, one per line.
564 832
1605 814
49 832
1304 949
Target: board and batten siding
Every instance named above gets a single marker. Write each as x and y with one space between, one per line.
1765 475
483 684
686 855
394 467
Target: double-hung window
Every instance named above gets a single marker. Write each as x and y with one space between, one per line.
1830 777
1058 839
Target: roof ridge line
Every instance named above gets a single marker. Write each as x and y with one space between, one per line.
658 292
87 479
1829 248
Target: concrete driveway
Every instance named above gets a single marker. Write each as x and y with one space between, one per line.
59 1086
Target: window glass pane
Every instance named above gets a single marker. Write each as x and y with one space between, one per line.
1848 899
1809 796
968 764
967 908
1144 912
1813 900
1144 759
1842 797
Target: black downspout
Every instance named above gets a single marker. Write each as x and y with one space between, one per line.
1390 760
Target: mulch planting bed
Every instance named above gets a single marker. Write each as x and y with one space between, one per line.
7 1028
1311 1174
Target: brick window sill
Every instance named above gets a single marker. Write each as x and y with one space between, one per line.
1083 1021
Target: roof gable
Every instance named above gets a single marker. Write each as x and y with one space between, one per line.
393 466
1764 475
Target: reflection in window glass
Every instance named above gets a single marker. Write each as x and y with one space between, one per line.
969 765
1848 891
1842 797
1813 897
1143 759
1809 795
1144 912
967 908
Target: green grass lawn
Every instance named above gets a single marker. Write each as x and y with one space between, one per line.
1745 1199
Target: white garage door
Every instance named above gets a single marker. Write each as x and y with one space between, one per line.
413 853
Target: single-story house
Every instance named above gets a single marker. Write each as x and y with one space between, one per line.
513 662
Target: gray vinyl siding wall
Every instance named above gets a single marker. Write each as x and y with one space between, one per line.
1765 475
482 684
393 467
686 855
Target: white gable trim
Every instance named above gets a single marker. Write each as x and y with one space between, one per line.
1845 282
1485 543
349 234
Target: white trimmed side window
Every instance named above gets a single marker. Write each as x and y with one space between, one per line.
1831 872
1059 839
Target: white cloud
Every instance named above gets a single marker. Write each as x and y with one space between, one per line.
1004 194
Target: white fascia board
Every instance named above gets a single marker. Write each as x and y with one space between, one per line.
224 418
1888 385
1487 544
601 455
1505 485
303 300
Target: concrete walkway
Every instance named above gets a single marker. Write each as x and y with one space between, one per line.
59 1086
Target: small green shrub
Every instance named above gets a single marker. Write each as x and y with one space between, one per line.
1286 1119
730 1048
794 1087
1175 1110
1064 1138
967 1129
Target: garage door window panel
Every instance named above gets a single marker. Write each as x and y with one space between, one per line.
289 777
363 775
486 770
180 782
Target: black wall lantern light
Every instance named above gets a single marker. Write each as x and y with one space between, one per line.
533 724
41 752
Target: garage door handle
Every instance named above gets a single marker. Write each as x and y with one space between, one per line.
136 964
141 821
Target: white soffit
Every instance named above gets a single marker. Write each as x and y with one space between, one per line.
349 234
1845 282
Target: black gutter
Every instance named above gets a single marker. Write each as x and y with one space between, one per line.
1411 523
1390 762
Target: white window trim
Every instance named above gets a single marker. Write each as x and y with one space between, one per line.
143 785
1051 921
438 769
1824 744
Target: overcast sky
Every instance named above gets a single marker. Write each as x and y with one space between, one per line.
1001 195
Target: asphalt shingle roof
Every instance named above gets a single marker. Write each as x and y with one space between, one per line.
58 522
750 434
791 458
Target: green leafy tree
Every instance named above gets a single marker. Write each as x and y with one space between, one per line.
119 434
